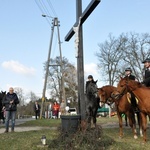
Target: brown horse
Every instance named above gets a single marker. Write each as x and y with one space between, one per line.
122 106
142 94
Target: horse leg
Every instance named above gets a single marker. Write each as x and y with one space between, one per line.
126 120
88 114
144 126
89 121
132 123
94 118
139 123
120 125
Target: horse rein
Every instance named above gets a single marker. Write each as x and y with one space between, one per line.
107 102
121 93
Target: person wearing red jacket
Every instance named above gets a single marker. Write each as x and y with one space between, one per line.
56 109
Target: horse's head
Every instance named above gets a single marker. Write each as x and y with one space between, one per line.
125 85
122 88
91 87
2 94
104 94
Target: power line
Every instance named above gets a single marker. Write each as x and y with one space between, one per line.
42 12
52 8
45 8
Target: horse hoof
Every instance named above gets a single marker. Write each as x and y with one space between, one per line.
135 137
120 137
143 143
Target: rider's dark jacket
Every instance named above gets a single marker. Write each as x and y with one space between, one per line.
133 101
87 82
146 80
6 102
131 77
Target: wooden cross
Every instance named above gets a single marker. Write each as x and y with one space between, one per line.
80 18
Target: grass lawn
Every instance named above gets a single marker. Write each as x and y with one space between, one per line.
30 139
127 142
42 123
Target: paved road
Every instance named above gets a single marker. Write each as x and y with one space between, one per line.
19 121
22 129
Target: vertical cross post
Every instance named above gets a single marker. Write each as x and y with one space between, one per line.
80 58
80 63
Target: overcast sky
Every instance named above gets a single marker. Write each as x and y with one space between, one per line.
25 35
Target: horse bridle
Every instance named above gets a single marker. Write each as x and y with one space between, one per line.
107 102
122 92
95 91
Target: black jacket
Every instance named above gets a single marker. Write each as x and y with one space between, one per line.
35 109
131 77
6 102
146 80
87 82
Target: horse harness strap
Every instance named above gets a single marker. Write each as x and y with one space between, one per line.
108 101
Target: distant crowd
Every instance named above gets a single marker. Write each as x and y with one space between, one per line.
54 109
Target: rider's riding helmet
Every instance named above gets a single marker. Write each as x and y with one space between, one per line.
146 60
90 77
128 69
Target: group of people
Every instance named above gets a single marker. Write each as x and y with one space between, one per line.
146 74
128 73
53 109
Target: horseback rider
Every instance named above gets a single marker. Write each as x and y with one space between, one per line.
128 73
146 76
90 79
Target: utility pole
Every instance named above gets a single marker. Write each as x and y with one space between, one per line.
61 63
54 23
80 18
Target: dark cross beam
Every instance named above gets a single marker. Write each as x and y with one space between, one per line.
84 16
80 61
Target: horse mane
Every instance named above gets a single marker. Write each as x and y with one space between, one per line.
107 86
136 84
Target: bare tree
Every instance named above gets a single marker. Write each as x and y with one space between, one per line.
32 96
20 94
138 48
70 81
110 56
55 79
128 50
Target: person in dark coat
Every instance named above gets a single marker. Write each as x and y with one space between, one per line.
146 75
128 73
10 102
90 79
37 108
